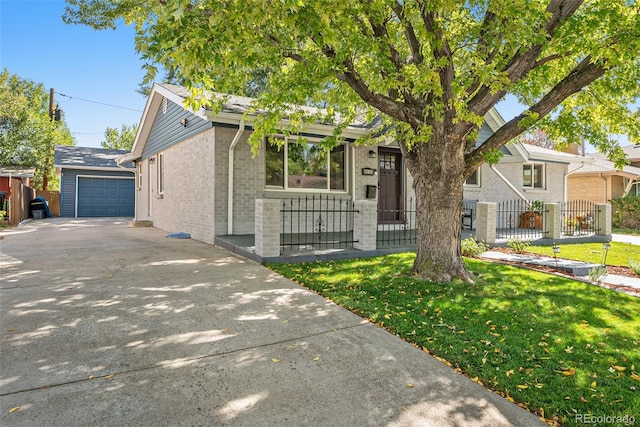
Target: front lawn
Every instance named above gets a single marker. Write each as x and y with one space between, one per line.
556 346
619 253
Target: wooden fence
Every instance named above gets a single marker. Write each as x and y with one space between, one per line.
21 197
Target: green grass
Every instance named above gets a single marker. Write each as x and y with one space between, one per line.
554 345
619 253
624 230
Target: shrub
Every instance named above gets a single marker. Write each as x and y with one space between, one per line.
519 246
635 266
626 212
597 273
470 247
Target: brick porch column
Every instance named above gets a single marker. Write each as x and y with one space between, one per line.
365 225
267 227
486 222
553 221
603 226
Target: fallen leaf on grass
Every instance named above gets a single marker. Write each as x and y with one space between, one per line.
14 409
618 368
635 377
522 386
567 371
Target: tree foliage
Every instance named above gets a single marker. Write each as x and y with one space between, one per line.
27 134
430 69
122 139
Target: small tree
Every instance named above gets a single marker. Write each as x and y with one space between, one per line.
27 134
120 140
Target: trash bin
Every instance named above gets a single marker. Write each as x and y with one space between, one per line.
37 209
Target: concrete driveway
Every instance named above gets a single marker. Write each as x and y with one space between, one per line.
102 324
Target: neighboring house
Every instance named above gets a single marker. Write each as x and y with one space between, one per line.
601 181
92 184
196 172
7 173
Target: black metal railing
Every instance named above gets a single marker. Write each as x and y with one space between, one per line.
520 219
579 218
317 222
469 214
401 230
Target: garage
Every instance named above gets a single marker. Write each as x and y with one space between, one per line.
92 184
100 197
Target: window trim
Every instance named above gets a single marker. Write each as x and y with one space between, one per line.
533 177
139 175
160 173
308 140
478 179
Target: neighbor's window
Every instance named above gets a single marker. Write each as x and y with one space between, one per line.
295 165
474 179
160 173
533 175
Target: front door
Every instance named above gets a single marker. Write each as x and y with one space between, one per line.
390 186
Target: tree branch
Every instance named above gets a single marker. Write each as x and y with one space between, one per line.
582 75
523 62
409 34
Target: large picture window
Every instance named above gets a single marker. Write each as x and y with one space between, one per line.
533 175
295 165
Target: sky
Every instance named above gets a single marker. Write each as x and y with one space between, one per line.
76 61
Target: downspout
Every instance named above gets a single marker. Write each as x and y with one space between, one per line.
232 149
566 181
509 184
135 185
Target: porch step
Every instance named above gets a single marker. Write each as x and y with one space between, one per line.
573 267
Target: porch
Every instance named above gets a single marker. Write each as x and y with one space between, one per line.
324 228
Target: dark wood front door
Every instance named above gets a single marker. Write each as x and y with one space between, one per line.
390 186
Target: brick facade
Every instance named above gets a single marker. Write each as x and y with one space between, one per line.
187 203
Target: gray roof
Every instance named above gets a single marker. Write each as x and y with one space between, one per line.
242 104
604 166
632 151
17 171
88 158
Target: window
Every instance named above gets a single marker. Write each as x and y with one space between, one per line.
294 165
474 179
160 173
533 175
139 173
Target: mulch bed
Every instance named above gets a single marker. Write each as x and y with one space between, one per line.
619 271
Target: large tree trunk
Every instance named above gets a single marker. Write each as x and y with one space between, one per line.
437 168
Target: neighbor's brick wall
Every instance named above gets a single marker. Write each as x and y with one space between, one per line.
587 188
189 177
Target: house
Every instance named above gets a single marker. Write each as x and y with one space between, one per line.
8 173
601 181
196 173
92 184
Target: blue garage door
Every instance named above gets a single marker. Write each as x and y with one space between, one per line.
105 197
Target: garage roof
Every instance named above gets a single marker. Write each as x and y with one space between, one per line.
88 158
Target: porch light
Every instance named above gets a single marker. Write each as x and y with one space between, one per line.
372 154
556 251
606 246
184 122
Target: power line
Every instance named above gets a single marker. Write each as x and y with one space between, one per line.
101 103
